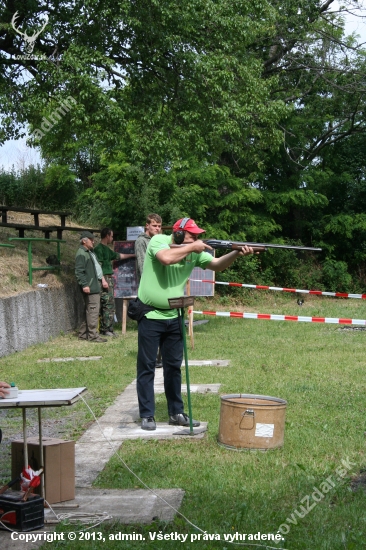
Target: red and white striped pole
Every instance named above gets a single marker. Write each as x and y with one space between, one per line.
272 317
284 289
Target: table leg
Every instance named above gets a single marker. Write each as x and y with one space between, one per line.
41 450
25 438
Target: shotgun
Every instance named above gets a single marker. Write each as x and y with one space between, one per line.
257 247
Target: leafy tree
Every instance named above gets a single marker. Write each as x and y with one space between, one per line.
180 71
228 111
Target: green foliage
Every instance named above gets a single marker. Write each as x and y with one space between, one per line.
336 276
52 187
180 73
22 188
247 116
60 186
246 271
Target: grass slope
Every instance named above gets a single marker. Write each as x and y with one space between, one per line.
14 261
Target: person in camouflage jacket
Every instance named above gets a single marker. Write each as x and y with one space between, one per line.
105 257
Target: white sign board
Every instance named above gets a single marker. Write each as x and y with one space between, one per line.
134 232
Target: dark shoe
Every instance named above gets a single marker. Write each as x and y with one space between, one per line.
148 423
99 340
82 338
182 419
109 333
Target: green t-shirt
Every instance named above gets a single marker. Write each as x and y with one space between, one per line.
105 256
160 282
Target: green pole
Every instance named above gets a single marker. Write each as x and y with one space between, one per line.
30 240
187 373
30 262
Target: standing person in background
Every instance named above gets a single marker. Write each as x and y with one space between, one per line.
90 278
105 257
152 227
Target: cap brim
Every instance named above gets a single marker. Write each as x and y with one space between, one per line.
196 231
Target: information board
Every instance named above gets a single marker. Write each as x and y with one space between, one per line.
124 271
134 232
202 289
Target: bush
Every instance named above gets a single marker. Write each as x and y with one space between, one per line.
336 277
23 188
52 187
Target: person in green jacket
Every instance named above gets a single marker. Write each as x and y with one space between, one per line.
105 256
90 278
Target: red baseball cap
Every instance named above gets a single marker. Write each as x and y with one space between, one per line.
189 226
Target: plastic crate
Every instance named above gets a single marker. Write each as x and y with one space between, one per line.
21 516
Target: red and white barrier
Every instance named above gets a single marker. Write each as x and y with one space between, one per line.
271 317
283 289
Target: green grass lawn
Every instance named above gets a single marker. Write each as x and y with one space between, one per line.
318 368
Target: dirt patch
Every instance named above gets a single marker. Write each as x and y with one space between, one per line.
359 481
352 328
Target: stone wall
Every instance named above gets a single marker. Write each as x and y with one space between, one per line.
35 316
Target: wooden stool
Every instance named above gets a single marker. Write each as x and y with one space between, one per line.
125 301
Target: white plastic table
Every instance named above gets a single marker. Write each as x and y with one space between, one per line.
39 399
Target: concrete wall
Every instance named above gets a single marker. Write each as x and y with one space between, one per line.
36 316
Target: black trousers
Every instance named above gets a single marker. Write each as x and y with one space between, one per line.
167 334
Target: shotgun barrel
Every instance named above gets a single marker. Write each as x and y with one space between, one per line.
257 247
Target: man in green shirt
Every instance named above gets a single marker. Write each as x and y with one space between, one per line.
166 271
105 257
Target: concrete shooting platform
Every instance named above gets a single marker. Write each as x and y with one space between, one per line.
121 421
208 363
